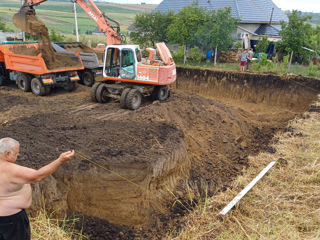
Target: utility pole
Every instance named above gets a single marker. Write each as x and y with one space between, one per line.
23 33
76 19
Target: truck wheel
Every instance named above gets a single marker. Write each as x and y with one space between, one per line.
133 99
87 78
48 90
24 82
94 91
70 86
101 94
124 97
161 93
37 87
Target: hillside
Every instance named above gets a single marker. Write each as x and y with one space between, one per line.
58 15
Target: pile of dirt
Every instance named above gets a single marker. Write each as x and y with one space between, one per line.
75 47
153 156
29 23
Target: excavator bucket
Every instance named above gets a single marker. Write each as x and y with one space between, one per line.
20 19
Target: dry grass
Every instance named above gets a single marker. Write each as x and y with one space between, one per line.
285 204
44 227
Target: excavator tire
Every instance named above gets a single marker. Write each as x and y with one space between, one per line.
101 94
133 99
37 87
124 97
161 93
24 82
93 91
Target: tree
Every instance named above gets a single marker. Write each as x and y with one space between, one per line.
216 31
56 37
186 23
4 28
295 35
315 39
262 45
151 28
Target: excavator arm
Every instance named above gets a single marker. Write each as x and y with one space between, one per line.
112 36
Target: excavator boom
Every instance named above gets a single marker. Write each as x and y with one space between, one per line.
112 36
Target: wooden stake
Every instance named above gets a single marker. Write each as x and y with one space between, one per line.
246 189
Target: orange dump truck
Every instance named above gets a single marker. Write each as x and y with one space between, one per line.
31 73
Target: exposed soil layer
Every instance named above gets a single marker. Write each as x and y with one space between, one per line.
218 135
31 24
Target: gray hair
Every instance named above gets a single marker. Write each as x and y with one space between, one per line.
8 145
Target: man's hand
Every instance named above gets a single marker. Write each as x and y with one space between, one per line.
66 156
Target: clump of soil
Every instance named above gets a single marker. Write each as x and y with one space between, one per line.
78 48
29 23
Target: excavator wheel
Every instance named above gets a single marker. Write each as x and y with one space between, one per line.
94 90
101 94
161 93
124 97
133 99
37 87
24 82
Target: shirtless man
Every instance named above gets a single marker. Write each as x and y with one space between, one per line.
15 189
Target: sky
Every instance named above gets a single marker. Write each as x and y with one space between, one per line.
302 5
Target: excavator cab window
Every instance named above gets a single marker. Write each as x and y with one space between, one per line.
138 53
127 69
112 66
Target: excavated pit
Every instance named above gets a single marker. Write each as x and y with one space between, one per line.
189 144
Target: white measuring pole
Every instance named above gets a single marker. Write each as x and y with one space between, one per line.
76 19
246 189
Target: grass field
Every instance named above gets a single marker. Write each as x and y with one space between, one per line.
59 15
285 204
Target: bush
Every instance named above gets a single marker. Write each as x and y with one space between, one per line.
196 55
55 36
178 56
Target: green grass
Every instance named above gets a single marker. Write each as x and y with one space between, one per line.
59 15
277 68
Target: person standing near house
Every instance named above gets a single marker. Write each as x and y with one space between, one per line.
243 60
209 55
249 58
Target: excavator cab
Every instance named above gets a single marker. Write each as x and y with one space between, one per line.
121 61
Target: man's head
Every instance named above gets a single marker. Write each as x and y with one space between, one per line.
9 149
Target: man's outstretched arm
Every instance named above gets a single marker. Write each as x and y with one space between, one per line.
24 175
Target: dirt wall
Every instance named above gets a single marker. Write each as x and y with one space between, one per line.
288 91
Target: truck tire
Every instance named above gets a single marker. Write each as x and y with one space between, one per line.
70 86
101 94
94 91
124 97
87 78
133 99
37 87
48 90
161 93
24 82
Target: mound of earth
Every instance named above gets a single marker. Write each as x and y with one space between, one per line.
31 24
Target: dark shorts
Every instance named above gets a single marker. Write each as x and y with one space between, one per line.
243 63
15 227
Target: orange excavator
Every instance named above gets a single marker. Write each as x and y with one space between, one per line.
127 76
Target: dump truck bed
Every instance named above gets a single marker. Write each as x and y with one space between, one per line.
29 64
